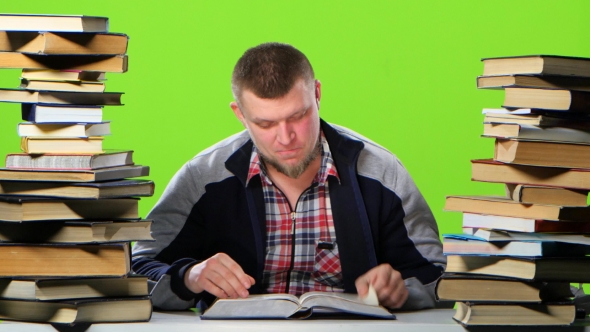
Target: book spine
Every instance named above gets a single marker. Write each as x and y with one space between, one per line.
580 101
28 112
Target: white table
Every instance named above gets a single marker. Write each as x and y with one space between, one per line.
436 320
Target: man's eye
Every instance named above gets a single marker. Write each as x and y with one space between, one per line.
298 116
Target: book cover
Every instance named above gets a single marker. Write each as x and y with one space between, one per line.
487 170
42 22
540 64
77 161
81 232
84 62
80 190
74 175
476 288
45 42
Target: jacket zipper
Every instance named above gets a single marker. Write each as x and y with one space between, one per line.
293 213
292 251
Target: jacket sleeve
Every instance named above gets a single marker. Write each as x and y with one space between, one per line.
405 233
161 260
420 226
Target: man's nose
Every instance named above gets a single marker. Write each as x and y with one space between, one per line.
285 133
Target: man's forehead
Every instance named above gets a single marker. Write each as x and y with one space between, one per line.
297 100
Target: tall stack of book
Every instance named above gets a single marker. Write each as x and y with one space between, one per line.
519 253
68 210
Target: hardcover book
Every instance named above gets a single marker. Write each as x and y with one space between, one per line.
531 132
537 65
63 130
487 170
555 82
68 86
503 206
40 145
73 23
75 232
547 195
26 208
539 153
498 235
471 314
532 118
463 244
102 63
566 269
63 42
60 97
548 99
64 260
465 287
73 288
62 75
78 161
74 175
81 190
40 113
282 306
102 310
526 225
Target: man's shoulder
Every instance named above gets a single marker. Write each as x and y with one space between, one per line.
222 150
370 146
375 161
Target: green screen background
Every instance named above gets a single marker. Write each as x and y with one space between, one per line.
402 73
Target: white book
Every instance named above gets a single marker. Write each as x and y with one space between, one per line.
464 245
63 130
62 75
508 111
57 23
474 220
491 235
530 132
60 114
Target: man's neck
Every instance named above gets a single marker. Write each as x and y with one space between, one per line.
293 188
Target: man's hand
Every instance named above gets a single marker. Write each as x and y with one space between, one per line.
219 275
388 284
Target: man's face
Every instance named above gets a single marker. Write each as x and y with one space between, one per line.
285 130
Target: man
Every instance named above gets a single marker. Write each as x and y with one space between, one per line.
292 204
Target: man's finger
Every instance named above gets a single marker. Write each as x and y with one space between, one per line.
236 270
362 285
396 294
381 279
227 280
211 288
397 298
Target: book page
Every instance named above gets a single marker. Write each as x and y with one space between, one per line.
350 303
371 297
254 306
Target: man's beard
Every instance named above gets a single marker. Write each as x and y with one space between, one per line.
293 171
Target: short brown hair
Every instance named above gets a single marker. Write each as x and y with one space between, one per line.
270 70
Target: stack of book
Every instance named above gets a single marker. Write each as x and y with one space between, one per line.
519 253
68 208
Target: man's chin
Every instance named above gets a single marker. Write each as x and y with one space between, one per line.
290 170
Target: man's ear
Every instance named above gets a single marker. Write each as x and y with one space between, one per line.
237 112
318 92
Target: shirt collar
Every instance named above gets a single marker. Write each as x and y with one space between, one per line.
327 166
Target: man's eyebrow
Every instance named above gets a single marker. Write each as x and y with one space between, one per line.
303 109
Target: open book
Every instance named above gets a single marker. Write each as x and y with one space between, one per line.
280 306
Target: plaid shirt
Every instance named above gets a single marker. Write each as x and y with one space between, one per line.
313 263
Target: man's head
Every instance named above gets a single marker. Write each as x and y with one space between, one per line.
270 70
277 100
